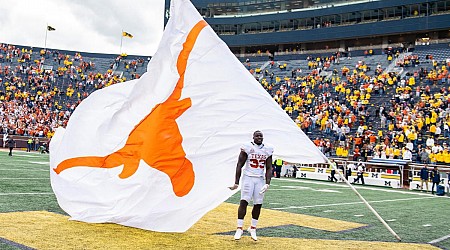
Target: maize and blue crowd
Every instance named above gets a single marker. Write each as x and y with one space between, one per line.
362 111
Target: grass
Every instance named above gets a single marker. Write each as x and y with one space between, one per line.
419 217
416 217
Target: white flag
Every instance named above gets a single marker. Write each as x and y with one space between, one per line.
159 152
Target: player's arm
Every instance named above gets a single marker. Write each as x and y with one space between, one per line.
268 170
268 175
241 161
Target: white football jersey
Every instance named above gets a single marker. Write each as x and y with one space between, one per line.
256 160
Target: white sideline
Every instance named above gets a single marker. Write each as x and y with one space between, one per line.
12 178
5 194
23 169
40 162
32 156
439 240
291 188
350 203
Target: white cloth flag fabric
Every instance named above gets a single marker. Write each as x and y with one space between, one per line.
159 152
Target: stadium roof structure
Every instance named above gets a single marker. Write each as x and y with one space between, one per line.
294 26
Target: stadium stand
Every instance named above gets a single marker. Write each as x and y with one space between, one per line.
349 106
40 89
368 96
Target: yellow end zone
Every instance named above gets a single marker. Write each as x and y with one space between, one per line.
45 230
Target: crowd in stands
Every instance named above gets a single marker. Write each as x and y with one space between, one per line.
39 90
357 110
411 122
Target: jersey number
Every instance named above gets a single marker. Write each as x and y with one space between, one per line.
254 163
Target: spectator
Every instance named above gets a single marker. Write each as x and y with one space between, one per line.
11 144
424 177
360 173
5 138
294 171
436 178
407 155
333 167
36 143
348 171
448 183
30 144
278 165
43 148
424 156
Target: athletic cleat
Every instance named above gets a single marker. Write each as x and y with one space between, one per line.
252 232
238 234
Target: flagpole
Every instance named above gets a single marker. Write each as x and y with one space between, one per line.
121 39
45 43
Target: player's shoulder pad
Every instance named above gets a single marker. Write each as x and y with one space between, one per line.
245 147
269 148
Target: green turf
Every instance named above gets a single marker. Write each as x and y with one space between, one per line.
25 186
4 246
411 211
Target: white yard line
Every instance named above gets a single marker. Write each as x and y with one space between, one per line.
28 159
296 188
360 187
23 169
439 240
350 203
40 162
7 178
6 194
284 189
21 155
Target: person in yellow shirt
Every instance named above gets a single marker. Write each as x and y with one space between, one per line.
390 152
344 152
391 126
439 157
433 118
446 156
432 129
339 151
401 140
397 153
432 158
420 124
427 121
323 123
412 81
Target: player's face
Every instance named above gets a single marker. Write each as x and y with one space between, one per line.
258 138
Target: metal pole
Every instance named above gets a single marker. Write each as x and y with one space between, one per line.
45 43
402 176
121 39
365 202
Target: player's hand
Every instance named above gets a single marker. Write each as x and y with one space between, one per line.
235 186
264 189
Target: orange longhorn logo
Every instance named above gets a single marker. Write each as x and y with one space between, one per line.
156 139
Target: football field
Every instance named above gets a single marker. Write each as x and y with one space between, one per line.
297 214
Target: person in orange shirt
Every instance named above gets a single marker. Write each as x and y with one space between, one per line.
356 153
317 142
372 138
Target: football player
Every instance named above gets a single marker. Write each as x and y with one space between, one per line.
257 158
